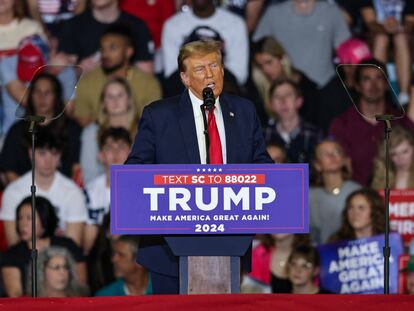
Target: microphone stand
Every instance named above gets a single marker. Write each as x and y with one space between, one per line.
386 250
203 108
33 122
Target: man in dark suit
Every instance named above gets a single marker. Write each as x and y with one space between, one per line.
171 131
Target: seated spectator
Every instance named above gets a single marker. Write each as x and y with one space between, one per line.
401 173
359 135
331 188
56 274
62 192
391 17
117 110
16 260
269 260
349 55
44 98
272 61
114 147
133 279
363 216
145 88
205 16
52 15
287 128
17 71
80 36
15 26
277 152
303 267
309 45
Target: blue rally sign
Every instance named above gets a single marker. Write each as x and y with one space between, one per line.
357 267
209 199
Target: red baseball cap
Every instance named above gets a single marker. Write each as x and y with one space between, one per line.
32 55
353 51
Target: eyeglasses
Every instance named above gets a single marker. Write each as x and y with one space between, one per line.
58 267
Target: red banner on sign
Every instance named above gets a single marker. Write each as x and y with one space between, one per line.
402 213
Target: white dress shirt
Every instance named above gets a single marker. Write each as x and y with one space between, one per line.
199 124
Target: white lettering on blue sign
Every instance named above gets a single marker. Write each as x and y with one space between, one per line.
179 198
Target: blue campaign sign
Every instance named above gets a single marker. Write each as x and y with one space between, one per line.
357 267
213 199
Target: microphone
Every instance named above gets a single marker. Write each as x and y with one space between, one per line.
208 98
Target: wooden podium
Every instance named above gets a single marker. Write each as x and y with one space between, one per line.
209 264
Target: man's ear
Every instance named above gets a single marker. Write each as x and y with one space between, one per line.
185 79
130 52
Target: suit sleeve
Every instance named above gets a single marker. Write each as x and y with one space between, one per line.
260 154
143 149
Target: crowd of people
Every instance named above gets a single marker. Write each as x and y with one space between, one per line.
317 72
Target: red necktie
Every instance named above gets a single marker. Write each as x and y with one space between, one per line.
216 156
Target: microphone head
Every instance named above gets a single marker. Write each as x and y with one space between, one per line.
208 98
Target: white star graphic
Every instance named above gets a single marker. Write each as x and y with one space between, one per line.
209 169
198 170
204 169
214 170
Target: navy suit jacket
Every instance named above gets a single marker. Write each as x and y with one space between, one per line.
167 135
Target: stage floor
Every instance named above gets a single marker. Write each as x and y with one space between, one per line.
241 302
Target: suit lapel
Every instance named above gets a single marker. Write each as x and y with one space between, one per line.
230 128
186 121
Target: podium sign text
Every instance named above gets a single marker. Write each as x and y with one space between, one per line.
209 199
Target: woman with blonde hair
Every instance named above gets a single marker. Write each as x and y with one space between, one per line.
56 274
117 110
271 64
401 173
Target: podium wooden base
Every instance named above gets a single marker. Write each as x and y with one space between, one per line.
209 274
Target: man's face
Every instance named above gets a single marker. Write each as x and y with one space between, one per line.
372 85
301 272
114 152
115 52
47 161
123 259
201 72
284 102
201 4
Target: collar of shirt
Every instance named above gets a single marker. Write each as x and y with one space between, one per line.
197 102
198 118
